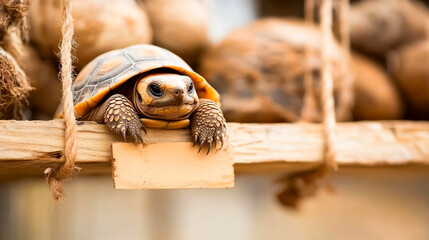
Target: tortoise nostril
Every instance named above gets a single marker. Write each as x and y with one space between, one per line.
179 92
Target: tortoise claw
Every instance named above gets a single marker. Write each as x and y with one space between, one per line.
210 145
138 138
123 119
124 134
201 145
144 130
208 125
141 138
195 140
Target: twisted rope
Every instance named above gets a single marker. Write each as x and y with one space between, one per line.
308 111
304 184
345 99
55 178
327 85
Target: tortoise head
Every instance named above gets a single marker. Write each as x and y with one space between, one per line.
167 96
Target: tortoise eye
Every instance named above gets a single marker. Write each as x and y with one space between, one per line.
155 90
191 87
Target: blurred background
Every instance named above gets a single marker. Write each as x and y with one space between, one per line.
368 204
254 52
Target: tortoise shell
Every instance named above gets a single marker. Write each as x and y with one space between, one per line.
110 70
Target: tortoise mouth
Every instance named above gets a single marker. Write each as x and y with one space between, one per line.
170 112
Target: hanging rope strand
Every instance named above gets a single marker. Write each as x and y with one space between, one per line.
345 100
54 179
305 183
327 85
308 111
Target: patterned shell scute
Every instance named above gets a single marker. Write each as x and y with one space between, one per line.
110 70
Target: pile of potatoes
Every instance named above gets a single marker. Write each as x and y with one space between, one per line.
104 25
259 69
397 33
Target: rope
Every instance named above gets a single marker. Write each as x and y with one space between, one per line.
54 178
327 85
345 99
304 184
308 111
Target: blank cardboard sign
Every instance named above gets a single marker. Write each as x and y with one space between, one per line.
170 165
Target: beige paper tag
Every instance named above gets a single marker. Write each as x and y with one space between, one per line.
170 165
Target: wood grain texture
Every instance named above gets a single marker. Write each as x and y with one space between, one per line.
28 147
169 165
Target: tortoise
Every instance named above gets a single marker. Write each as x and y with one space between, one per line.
147 86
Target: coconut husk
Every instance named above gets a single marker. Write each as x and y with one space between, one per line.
377 26
376 96
100 26
409 66
13 26
14 87
180 26
259 70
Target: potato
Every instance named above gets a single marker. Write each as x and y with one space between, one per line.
100 26
43 76
377 26
409 66
180 26
376 97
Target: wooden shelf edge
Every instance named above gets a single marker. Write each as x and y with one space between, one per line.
28 147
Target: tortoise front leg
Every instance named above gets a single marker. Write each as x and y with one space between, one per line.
208 124
120 117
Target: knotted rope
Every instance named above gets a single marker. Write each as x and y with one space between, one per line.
55 178
303 184
328 108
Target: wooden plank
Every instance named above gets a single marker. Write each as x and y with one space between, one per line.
28 147
169 165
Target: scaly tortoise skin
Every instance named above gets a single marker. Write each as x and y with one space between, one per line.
148 86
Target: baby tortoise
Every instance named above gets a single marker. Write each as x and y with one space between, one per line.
148 86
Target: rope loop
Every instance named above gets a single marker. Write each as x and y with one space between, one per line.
54 178
305 183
